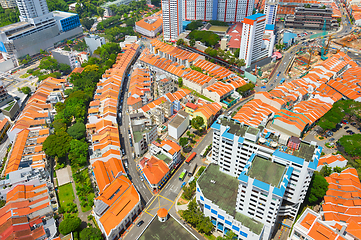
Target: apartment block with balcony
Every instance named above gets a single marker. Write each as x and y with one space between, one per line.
142 136
312 16
237 147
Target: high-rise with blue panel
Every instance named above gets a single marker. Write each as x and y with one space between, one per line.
255 180
270 9
66 21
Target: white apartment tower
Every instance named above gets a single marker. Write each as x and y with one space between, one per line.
172 19
226 11
256 180
32 9
270 9
252 38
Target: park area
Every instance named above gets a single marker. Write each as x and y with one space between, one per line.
66 195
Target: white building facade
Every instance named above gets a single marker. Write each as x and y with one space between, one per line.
270 9
172 19
237 148
178 125
252 38
226 11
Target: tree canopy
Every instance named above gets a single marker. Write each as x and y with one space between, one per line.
197 122
77 131
69 225
91 234
49 63
195 217
194 25
57 5
57 144
317 189
26 90
209 38
183 141
8 16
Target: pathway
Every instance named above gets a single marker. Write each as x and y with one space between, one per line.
82 215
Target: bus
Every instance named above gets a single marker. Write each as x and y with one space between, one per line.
189 159
192 170
182 175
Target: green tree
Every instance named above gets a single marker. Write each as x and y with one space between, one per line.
236 53
180 42
57 144
230 235
192 42
240 62
48 63
100 12
57 5
87 23
180 82
91 234
130 22
197 123
69 225
317 189
326 171
194 25
77 131
58 125
26 90
183 141
2 203
78 152
64 68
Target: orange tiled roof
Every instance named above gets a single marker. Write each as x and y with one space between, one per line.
174 147
155 170
327 160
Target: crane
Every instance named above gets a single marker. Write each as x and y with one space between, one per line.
311 51
323 50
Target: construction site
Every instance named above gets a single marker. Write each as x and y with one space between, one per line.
353 40
312 53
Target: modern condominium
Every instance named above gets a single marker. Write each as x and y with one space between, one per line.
271 179
252 38
172 19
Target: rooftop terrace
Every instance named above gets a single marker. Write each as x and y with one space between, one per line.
237 129
223 193
305 151
163 157
266 171
170 229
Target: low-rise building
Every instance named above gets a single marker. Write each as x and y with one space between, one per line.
178 125
93 42
4 126
313 16
116 207
190 108
67 57
155 172
332 161
218 91
208 112
143 135
168 151
150 26
165 86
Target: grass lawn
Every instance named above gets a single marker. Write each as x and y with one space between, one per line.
66 194
210 237
25 75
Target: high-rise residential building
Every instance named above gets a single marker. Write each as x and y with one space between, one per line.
30 9
252 38
227 11
172 19
8 3
270 9
38 29
255 181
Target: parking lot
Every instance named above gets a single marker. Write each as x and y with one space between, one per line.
331 139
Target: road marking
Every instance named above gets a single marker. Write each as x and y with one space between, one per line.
166 198
149 213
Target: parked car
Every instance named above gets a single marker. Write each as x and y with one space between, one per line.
346 127
344 121
140 223
334 129
353 124
183 184
332 139
123 152
349 131
329 133
352 133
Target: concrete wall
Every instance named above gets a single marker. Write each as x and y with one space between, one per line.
7 65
